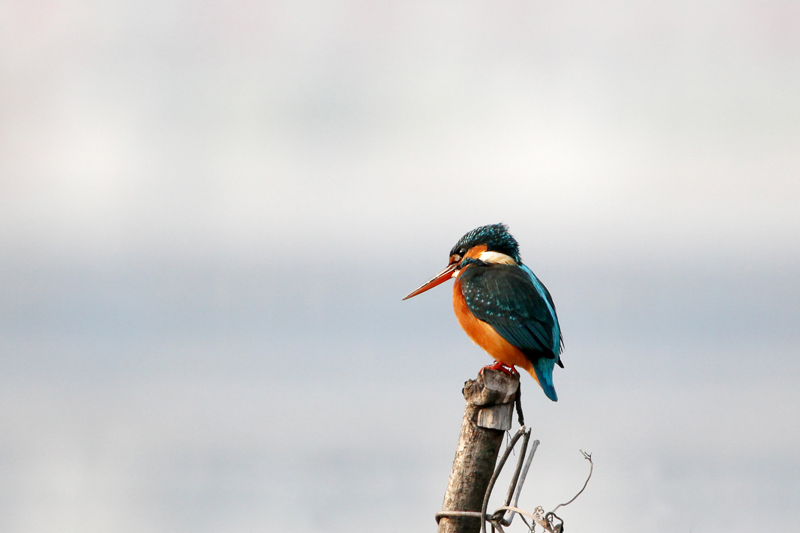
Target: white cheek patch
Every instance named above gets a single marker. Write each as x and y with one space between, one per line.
496 257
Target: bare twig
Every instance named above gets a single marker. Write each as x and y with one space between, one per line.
507 522
588 457
522 431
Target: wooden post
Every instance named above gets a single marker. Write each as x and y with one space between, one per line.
487 415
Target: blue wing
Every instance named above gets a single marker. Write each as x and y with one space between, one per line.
513 301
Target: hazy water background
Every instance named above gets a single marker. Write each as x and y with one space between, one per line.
210 211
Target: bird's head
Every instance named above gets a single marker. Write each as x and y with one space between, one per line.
486 244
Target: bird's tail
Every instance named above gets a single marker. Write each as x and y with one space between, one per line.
543 367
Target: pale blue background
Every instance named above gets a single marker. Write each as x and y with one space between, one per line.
209 212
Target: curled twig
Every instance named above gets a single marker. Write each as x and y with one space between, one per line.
549 522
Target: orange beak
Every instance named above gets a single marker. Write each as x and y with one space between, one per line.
438 279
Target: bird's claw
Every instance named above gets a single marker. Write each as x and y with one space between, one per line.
510 370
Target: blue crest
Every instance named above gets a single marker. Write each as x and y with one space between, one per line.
495 237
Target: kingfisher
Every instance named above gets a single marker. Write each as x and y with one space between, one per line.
501 304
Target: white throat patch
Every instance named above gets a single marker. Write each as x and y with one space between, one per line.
496 257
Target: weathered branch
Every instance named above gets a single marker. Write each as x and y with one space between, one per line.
487 415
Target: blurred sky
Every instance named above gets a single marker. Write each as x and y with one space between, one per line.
209 212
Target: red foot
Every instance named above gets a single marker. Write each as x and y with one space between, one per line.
510 370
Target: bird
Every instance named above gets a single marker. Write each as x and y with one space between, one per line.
501 304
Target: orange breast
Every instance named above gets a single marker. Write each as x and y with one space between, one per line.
486 337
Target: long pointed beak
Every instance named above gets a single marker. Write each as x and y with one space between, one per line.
438 279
